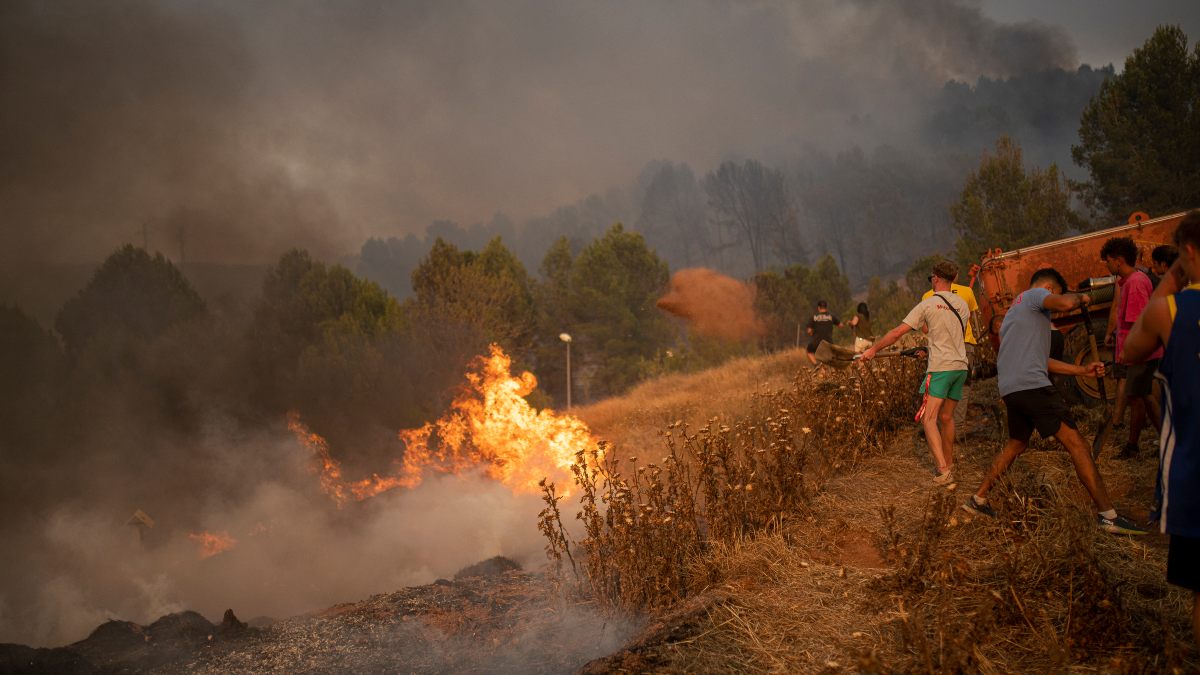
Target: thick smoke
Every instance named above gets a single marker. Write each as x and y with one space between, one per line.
242 129
713 304
81 563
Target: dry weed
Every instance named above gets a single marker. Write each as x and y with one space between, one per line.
646 523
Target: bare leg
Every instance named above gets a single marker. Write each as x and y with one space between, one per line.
946 422
933 435
1012 449
1085 468
1119 408
1154 412
1137 419
812 358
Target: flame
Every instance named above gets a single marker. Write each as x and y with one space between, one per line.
212 543
490 426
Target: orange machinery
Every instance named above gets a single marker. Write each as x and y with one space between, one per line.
1004 274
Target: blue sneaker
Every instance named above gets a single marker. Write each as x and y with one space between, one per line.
1119 525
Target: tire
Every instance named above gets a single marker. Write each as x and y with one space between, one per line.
1077 349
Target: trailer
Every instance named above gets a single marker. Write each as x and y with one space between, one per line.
1005 274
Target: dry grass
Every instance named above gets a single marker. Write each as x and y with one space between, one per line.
646 520
862 564
632 423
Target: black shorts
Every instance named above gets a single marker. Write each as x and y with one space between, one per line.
1183 562
1141 379
813 344
1043 409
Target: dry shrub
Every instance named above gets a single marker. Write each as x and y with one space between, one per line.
1039 589
648 526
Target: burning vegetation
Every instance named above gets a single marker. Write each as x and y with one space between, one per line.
490 427
212 543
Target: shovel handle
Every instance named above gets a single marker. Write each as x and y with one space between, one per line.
1106 425
911 351
1091 333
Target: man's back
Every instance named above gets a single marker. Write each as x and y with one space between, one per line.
1024 344
945 315
968 296
822 324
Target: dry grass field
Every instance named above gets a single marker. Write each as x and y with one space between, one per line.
788 523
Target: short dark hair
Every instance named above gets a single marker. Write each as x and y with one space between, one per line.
1120 247
945 269
1165 254
822 303
1188 231
1049 273
862 309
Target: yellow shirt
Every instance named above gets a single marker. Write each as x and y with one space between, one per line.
967 294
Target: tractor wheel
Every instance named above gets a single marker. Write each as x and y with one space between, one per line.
1078 350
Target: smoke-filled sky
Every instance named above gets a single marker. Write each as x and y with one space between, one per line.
253 127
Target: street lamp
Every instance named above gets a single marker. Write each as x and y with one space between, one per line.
567 339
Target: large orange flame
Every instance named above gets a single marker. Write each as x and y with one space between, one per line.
490 426
212 543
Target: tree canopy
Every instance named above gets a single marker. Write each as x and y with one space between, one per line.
132 298
614 284
751 200
1138 136
484 296
1003 205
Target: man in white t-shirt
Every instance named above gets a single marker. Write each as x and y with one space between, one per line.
944 316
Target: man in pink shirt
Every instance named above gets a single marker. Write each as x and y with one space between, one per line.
1120 255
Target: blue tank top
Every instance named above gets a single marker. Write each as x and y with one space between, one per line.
1178 490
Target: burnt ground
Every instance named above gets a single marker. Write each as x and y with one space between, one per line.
492 618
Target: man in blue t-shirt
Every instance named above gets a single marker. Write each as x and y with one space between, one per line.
1024 366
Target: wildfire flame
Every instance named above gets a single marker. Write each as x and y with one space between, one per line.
212 543
490 426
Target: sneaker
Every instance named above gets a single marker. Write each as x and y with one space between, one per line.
944 478
1119 525
1130 451
971 506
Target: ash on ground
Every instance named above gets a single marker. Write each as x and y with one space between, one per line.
493 617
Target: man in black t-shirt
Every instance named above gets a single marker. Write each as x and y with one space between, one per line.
820 328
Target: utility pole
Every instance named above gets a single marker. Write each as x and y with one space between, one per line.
567 339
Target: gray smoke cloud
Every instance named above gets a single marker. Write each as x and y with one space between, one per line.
79 563
249 128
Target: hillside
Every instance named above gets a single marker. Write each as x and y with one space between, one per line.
870 568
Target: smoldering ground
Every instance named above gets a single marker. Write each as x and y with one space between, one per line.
78 563
232 131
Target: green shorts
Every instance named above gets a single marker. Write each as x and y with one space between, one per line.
945 384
